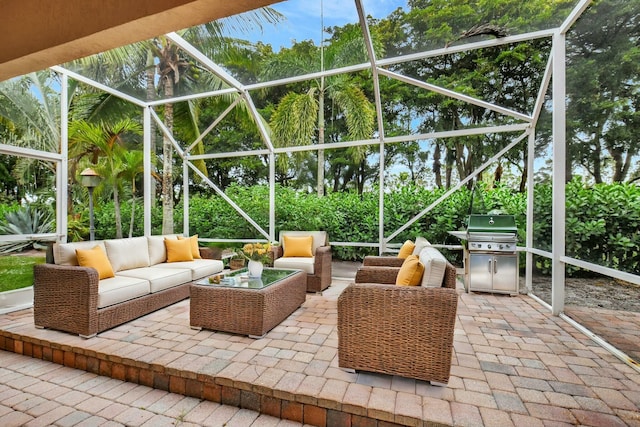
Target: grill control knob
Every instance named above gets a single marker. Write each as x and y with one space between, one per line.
488 246
501 247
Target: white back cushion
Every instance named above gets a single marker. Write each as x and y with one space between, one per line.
65 253
421 243
125 254
157 249
319 238
435 265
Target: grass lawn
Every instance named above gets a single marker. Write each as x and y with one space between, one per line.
16 271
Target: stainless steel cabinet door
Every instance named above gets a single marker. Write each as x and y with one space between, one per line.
505 273
480 272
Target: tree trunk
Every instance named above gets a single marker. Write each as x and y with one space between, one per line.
167 162
116 209
320 183
151 96
133 210
437 165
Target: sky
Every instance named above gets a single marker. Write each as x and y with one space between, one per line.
303 20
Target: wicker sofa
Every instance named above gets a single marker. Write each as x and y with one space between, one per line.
397 330
71 298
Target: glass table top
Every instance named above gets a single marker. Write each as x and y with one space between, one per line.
240 278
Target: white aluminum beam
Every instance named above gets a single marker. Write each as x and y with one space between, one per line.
459 185
205 61
100 86
213 125
229 154
574 15
602 342
531 152
62 170
605 271
259 121
228 200
30 153
455 95
272 197
388 140
542 92
185 195
405 58
26 237
558 233
379 113
168 134
467 47
146 176
183 98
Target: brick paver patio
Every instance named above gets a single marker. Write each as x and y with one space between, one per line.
514 364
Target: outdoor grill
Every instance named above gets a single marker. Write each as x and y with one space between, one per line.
492 233
491 262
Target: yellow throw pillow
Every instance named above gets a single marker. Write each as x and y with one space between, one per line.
195 249
298 246
95 258
406 249
411 272
178 250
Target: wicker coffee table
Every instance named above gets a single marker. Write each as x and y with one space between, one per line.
249 307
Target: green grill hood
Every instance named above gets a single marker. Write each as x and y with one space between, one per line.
492 224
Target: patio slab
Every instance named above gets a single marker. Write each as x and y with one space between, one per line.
514 364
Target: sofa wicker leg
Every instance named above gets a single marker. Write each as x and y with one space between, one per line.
38 327
86 337
349 370
438 384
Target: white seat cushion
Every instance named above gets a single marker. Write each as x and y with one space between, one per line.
298 263
199 267
435 265
159 278
125 254
120 288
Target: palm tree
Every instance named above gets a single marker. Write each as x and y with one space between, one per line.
133 167
105 145
160 67
298 116
29 110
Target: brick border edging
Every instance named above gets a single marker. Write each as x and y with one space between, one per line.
201 387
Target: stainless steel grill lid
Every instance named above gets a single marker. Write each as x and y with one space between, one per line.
483 230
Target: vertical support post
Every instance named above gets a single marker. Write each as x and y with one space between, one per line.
185 194
530 199
272 197
146 160
62 175
559 173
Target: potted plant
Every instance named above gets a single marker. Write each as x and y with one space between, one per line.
257 254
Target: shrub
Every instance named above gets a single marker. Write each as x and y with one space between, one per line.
25 221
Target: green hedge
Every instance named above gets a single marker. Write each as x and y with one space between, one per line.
603 221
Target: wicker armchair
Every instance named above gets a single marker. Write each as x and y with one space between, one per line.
318 267
397 330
